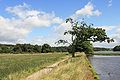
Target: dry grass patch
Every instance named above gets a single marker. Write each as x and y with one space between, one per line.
77 68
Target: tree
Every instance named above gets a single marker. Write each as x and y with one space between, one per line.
5 48
27 47
116 48
37 48
46 48
82 36
17 48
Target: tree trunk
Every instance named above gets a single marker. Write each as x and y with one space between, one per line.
73 54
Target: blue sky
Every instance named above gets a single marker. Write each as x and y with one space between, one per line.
42 21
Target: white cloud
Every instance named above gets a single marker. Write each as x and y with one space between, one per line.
9 31
107 28
115 34
105 44
24 20
40 40
87 10
59 30
62 28
32 17
15 29
57 34
109 3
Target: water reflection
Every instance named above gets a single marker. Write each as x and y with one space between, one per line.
107 67
107 52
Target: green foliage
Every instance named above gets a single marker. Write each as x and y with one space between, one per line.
85 46
102 49
37 48
5 48
59 49
82 34
23 48
22 65
17 48
27 47
116 48
46 48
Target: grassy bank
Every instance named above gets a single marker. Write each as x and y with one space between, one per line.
77 68
16 66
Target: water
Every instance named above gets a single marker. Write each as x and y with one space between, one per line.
107 52
107 67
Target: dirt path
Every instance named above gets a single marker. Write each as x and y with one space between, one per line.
45 71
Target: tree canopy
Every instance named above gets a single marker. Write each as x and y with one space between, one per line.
82 36
116 48
46 48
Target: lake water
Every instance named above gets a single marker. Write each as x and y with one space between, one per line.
107 52
107 67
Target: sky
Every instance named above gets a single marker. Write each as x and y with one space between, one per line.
43 21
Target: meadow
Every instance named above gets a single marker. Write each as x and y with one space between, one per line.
18 66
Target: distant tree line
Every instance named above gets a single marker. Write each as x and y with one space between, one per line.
102 49
45 48
23 48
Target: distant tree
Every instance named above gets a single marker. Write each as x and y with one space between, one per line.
5 49
82 34
17 48
37 48
116 48
59 49
102 49
27 47
46 48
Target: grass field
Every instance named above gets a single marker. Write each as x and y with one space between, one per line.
77 68
17 66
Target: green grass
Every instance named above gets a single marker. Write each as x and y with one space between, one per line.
17 66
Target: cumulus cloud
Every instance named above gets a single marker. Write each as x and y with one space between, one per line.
9 31
40 40
32 17
59 30
114 33
87 10
107 28
23 21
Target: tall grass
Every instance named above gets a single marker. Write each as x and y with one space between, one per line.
77 68
16 66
